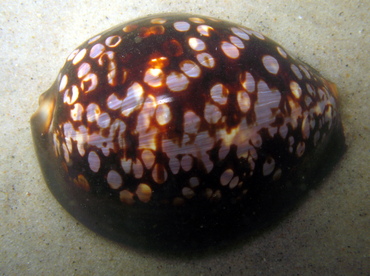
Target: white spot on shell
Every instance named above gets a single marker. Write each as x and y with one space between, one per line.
177 82
158 21
237 42
82 182
95 38
244 101
204 30
76 112
174 165
148 158
126 164
256 140
300 149
295 89
144 192
71 95
240 33
73 54
206 60
126 197
104 120
137 169
114 179
277 175
226 177
328 115
310 89
129 28
69 133
272 131
248 82
159 174
282 52
196 44
208 192
305 71
89 83
181 26
63 83
305 128
267 101
65 153
163 114
312 123
113 41
97 50
80 56
83 70
258 35
283 131
208 164
194 182
187 192
197 20
186 162
234 182
212 113
230 50
164 99
94 161
296 71
223 152
133 100
268 166
113 102
92 112
154 77
143 123
307 101
81 138
216 195
190 68
219 93
271 64
191 122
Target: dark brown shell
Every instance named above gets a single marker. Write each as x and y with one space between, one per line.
182 128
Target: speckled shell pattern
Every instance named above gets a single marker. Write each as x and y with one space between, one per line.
177 111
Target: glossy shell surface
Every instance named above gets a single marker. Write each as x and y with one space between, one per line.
170 124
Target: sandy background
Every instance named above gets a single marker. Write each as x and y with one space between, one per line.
328 235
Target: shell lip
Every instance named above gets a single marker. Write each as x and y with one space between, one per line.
42 119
